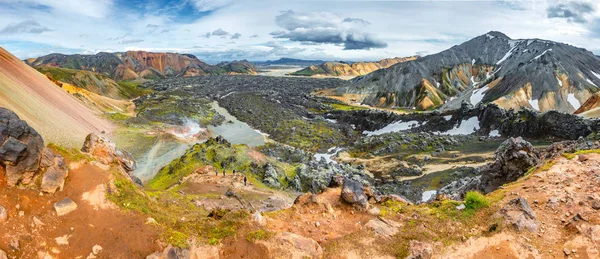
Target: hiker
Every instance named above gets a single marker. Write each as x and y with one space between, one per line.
217 172
245 180
223 172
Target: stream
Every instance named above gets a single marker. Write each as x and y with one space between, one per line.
166 149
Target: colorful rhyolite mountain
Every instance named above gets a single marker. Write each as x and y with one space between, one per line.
533 73
137 64
55 114
333 68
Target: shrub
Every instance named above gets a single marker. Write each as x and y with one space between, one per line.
475 201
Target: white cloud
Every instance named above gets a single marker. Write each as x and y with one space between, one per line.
91 8
209 5
90 25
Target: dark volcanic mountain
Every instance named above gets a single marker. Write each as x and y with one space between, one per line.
133 64
534 73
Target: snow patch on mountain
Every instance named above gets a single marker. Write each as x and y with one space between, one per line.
573 101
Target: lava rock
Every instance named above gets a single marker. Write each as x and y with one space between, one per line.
353 193
65 206
519 214
512 160
20 149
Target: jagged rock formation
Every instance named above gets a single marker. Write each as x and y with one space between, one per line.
333 68
533 73
135 64
512 160
519 214
20 150
533 124
107 153
24 158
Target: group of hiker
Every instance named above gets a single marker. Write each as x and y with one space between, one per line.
224 171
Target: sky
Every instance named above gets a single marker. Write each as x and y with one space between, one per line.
224 30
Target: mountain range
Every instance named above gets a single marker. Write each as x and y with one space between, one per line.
132 65
538 74
289 62
334 68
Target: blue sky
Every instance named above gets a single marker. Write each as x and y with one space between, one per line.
216 30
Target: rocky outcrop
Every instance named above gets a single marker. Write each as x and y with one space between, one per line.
383 227
519 214
23 157
512 160
290 245
193 252
107 153
315 176
420 250
271 176
21 149
56 172
529 123
569 146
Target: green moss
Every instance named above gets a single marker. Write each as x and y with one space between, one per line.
71 154
176 215
132 89
217 155
117 116
345 107
580 152
474 201
260 234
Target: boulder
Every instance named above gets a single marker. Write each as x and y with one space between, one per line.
56 173
353 193
383 227
193 252
519 214
259 219
3 255
420 250
271 176
512 160
290 245
107 152
65 206
20 149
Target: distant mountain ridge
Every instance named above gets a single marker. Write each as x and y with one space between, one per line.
132 65
533 73
289 62
332 68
